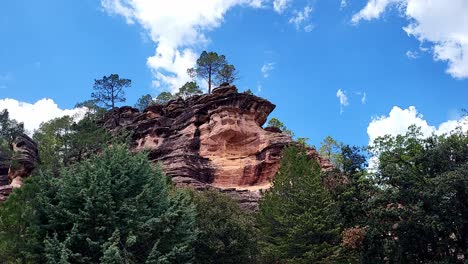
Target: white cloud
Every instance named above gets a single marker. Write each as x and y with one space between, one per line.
342 98
309 28
301 19
364 98
373 10
440 23
32 115
398 121
280 5
178 28
412 54
266 68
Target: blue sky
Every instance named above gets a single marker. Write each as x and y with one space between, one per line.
310 51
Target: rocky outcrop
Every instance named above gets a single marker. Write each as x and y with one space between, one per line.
210 141
15 168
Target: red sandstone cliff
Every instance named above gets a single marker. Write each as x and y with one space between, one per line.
210 141
13 170
207 141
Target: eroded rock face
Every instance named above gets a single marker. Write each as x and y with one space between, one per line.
210 141
14 169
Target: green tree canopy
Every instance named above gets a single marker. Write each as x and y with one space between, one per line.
163 98
227 74
421 213
54 142
113 207
227 233
62 141
110 90
297 218
9 128
213 68
188 89
275 122
143 102
331 149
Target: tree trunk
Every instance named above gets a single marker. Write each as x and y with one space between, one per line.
209 81
112 98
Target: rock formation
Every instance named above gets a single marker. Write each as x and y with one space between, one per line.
210 141
14 169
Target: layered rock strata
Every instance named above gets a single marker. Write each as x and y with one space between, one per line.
14 169
210 141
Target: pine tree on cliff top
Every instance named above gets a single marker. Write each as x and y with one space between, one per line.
297 216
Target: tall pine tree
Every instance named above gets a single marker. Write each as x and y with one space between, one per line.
297 216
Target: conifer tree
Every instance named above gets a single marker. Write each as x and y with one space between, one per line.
227 234
114 206
110 90
297 219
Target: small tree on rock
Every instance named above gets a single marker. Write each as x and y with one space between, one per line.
227 74
110 90
212 67
188 89
144 101
163 98
275 122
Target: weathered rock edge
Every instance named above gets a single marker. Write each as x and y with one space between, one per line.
15 169
210 141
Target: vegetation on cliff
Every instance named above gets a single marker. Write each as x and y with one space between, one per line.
92 200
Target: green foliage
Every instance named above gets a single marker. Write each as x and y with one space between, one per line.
227 74
275 122
110 90
54 143
114 206
331 149
20 240
9 130
188 89
93 108
163 98
63 141
248 91
302 141
421 213
213 67
227 234
143 102
298 219
354 188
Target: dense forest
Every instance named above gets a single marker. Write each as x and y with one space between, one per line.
92 200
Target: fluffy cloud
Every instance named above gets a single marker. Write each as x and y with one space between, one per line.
342 98
300 19
266 68
32 115
398 121
280 5
178 28
441 23
412 54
